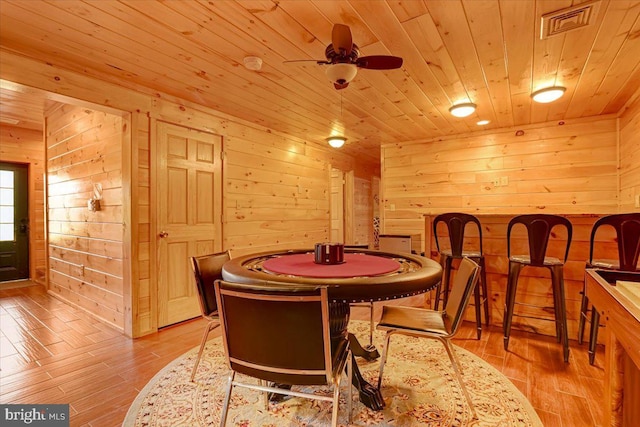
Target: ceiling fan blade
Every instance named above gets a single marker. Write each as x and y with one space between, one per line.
341 39
339 86
379 62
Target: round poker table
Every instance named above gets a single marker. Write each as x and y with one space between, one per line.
365 275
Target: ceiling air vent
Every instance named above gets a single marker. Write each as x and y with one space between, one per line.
571 18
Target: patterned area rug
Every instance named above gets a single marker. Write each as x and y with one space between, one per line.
419 389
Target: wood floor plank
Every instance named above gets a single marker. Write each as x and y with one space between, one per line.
575 410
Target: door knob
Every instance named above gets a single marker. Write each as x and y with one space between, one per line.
163 234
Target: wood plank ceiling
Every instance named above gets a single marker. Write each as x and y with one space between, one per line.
488 52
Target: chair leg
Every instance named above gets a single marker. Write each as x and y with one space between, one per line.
383 359
371 325
485 292
562 311
227 398
510 299
349 385
478 308
336 401
443 280
457 369
593 336
556 305
211 326
265 394
445 297
584 308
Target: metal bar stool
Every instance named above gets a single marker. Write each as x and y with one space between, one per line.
456 224
539 228
627 228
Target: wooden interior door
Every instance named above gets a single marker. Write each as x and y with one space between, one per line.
189 215
337 206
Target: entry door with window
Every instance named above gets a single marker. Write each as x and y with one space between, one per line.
14 221
189 215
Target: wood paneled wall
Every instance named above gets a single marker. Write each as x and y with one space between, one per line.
630 157
86 251
276 194
552 168
363 210
20 145
276 186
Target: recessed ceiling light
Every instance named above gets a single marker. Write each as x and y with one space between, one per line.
483 122
463 110
548 94
336 141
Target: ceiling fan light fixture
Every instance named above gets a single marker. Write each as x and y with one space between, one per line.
341 73
548 94
463 110
336 141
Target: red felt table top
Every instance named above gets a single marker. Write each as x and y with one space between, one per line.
355 265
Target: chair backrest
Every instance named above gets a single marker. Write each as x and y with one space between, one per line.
539 227
276 332
456 224
627 228
206 270
463 285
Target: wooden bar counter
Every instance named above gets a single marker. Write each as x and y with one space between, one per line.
619 309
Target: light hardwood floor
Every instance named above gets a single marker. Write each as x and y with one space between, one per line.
53 353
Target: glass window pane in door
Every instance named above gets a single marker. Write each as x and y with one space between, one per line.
6 206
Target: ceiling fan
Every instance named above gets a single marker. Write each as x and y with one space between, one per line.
343 58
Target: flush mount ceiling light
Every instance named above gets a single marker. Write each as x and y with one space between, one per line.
341 73
548 94
252 63
463 110
336 141
483 122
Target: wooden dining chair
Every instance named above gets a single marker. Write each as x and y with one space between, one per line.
438 325
280 334
206 270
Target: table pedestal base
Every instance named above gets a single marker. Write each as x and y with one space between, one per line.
369 352
370 396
